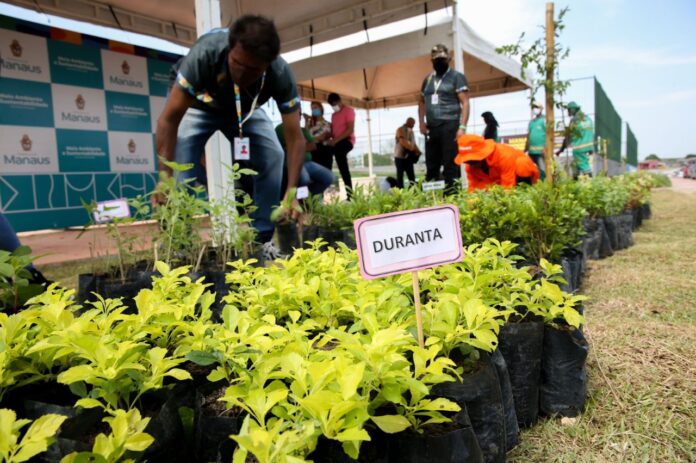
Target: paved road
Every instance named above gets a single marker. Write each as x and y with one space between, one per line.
683 184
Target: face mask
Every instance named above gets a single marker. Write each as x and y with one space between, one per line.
316 112
536 112
336 108
440 66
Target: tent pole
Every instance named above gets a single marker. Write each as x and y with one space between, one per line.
458 63
369 142
218 152
456 39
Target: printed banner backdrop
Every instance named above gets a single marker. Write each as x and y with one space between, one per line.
77 121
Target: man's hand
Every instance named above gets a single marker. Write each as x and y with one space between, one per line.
159 195
461 132
283 214
423 128
331 142
295 210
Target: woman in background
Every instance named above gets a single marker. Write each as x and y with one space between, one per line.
491 130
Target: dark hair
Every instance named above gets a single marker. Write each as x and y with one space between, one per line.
257 35
333 98
489 118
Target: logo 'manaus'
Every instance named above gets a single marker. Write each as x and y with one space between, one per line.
125 67
80 102
16 49
131 146
26 142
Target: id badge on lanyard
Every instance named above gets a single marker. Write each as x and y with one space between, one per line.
241 149
434 98
242 145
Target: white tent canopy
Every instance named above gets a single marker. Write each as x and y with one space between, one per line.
389 72
298 21
379 74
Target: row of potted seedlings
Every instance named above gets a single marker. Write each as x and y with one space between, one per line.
545 221
503 344
309 363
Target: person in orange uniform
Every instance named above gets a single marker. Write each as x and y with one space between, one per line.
490 163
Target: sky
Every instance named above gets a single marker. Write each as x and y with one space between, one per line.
641 51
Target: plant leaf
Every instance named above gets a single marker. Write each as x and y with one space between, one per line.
391 424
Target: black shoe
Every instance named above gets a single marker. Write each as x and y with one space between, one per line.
37 278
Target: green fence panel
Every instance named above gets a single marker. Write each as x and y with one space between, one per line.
631 147
607 122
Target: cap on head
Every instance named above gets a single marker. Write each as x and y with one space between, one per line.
473 148
573 106
439 51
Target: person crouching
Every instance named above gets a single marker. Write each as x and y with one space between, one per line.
490 163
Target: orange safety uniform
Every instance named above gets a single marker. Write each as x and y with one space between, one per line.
505 164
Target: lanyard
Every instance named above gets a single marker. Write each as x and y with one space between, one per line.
436 84
238 102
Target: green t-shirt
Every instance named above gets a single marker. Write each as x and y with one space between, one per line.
280 133
584 141
537 135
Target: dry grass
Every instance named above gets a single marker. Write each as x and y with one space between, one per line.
642 369
66 274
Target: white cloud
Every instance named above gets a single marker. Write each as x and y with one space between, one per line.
678 96
618 54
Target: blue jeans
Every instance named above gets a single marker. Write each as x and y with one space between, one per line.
539 161
316 177
8 238
198 126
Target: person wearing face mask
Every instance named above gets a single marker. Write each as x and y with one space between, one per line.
342 137
320 129
220 84
536 138
443 112
489 163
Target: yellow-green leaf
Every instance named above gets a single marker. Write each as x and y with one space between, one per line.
139 442
391 424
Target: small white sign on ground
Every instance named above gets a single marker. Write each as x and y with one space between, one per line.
432 186
106 211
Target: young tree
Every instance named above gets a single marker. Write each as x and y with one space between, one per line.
543 56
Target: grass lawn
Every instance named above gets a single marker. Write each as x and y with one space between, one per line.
642 332
641 325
